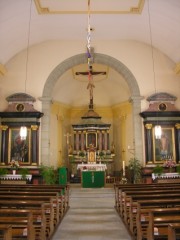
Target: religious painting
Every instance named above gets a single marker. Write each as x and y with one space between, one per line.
91 139
19 150
164 147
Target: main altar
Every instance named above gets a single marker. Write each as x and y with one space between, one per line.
90 149
92 175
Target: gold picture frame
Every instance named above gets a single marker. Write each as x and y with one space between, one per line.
164 148
19 149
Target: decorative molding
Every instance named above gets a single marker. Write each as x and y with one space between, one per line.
34 127
3 70
177 125
4 127
52 7
177 68
148 126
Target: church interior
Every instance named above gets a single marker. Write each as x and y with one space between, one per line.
90 94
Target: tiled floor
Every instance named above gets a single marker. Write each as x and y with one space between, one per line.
91 217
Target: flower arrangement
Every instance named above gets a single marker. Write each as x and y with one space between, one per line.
101 154
14 164
170 163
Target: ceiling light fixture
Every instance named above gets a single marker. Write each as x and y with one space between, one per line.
157 128
23 129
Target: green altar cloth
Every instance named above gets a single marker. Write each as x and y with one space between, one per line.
93 179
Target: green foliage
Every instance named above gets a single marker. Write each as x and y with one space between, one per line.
3 171
72 159
158 169
101 154
49 174
135 168
23 172
81 154
178 169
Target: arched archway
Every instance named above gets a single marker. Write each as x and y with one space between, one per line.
80 59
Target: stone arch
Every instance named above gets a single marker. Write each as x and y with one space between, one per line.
80 59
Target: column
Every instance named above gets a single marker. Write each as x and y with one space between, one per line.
137 127
105 140
34 145
4 144
77 141
148 143
45 130
100 141
177 126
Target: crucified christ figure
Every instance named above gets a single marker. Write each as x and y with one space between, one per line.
90 86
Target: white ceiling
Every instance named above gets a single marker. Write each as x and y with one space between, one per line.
164 16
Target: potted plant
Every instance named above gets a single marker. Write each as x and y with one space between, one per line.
135 170
14 165
82 155
23 172
49 174
3 171
158 169
178 169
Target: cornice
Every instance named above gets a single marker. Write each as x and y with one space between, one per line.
130 9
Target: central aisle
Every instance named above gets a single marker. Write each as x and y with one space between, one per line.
91 217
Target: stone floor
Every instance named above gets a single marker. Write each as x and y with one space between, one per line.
91 216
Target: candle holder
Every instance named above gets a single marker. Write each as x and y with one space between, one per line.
123 180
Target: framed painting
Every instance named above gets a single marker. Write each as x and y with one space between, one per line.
19 149
91 139
164 148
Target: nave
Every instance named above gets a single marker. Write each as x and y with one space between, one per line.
91 216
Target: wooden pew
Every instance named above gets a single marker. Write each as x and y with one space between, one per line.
155 222
5 232
63 191
31 205
174 231
58 204
138 188
38 221
21 223
120 189
143 208
37 193
52 203
130 213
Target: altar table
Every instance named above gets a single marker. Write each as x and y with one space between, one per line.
166 177
92 167
14 179
93 179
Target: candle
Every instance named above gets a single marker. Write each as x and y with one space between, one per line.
123 168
